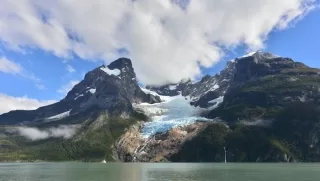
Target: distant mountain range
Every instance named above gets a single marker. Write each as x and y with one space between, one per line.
260 108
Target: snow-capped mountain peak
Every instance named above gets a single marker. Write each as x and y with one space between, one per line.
260 55
112 88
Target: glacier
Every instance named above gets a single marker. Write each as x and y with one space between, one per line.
172 112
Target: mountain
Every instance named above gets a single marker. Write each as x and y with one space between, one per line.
261 107
265 82
113 88
82 126
264 108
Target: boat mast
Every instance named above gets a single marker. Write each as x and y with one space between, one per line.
225 155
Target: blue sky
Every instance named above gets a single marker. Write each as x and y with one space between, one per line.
51 71
44 72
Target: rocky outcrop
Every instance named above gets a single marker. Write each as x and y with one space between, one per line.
127 145
131 147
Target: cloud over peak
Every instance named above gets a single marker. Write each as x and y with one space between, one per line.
167 40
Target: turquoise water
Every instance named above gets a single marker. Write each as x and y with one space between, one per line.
155 172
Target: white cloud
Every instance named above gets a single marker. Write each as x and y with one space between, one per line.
9 103
8 66
70 69
66 88
37 134
32 133
167 39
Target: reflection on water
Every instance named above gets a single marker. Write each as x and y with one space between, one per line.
155 172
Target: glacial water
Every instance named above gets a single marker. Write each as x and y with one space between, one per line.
74 171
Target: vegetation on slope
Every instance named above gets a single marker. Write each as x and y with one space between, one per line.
93 142
292 136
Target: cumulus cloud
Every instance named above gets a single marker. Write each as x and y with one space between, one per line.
67 87
168 40
8 103
70 69
37 134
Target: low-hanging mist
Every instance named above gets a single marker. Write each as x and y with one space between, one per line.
35 134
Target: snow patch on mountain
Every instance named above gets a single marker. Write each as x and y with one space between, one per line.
59 116
115 72
215 87
216 102
173 87
92 91
163 98
78 96
265 55
302 98
249 54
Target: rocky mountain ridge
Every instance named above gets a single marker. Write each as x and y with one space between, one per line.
113 88
247 69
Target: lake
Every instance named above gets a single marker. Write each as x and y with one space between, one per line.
73 171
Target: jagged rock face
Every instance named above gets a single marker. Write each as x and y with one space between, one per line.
203 91
262 64
211 87
255 68
113 88
132 148
112 91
